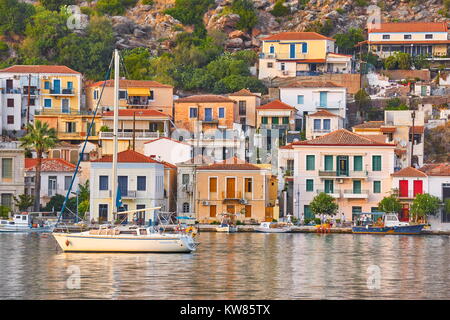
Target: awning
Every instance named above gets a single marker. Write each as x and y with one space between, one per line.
143 92
417 129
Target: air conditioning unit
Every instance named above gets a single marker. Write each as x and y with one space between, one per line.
16 77
340 180
45 77
205 203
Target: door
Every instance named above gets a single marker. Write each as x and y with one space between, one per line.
140 216
51 186
404 214
212 211
403 188
65 105
292 51
208 114
418 187
329 186
323 98
328 163
231 188
57 86
123 185
248 211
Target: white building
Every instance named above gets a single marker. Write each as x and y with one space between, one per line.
56 175
310 96
11 169
322 122
168 150
140 179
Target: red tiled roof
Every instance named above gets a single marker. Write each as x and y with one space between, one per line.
139 113
322 113
166 138
418 129
128 156
124 84
410 27
288 147
230 164
275 104
165 163
406 42
50 165
399 151
409 172
244 93
343 137
369 125
297 36
312 84
388 129
436 169
39 69
205 98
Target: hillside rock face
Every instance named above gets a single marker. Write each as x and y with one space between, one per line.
148 26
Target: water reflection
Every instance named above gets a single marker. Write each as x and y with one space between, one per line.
234 266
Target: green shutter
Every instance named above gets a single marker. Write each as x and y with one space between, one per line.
309 185
308 213
376 163
310 162
356 186
357 163
329 187
328 163
285 120
264 120
377 187
274 120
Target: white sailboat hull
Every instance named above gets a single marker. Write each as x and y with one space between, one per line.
85 242
226 229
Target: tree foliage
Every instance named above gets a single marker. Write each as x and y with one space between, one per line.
325 28
114 7
56 202
390 204
279 9
346 41
24 201
396 104
398 61
247 13
14 16
323 204
424 205
363 101
55 5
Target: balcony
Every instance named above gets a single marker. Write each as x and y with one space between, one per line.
127 194
129 135
62 92
335 193
356 194
406 195
329 105
12 91
57 111
351 174
267 55
321 131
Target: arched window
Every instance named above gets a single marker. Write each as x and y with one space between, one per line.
185 207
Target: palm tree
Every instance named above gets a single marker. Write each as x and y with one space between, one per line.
39 138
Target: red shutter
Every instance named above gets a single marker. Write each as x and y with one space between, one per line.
418 187
403 188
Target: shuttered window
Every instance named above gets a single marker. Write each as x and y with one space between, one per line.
141 183
376 163
377 187
310 162
212 184
7 168
328 163
103 183
309 185
357 163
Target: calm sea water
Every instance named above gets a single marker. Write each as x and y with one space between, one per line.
233 266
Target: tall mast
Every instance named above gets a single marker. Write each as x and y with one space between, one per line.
114 183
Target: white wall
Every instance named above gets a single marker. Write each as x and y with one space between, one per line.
168 150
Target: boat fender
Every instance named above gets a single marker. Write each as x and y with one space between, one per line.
67 242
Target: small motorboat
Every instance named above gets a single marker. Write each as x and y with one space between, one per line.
273 227
226 225
386 223
24 222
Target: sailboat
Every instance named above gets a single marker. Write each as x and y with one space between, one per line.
124 238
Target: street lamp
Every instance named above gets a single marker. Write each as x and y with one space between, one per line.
413 117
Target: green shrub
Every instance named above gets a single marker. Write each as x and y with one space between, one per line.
114 7
190 12
14 16
55 5
148 2
340 10
323 28
4 49
347 41
361 3
279 10
247 13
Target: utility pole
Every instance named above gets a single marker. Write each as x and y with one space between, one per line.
413 116
134 130
29 98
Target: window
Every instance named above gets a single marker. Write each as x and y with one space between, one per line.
310 162
10 120
329 186
282 66
290 165
151 96
300 99
47 85
377 187
304 48
272 49
186 207
103 183
10 103
221 112
357 186
275 120
213 184
326 124
7 168
7 200
32 101
386 37
122 94
328 163
193 113
141 183
248 184
316 124
265 120
67 181
285 120
47 103
95 94
376 163
269 64
71 127
102 212
69 85
357 163
242 108
309 185
428 36
185 178
407 36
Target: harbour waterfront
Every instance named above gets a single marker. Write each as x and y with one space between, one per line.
232 266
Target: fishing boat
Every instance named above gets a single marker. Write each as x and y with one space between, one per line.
123 238
226 225
25 223
384 223
273 227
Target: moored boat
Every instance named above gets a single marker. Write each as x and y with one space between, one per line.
226 224
273 227
24 223
387 223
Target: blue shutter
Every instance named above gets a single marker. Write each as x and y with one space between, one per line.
292 51
300 99
304 47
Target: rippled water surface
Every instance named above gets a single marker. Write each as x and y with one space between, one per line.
233 266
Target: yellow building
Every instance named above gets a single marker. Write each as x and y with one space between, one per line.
290 54
235 187
416 38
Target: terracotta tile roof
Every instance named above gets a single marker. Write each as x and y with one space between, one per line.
297 36
166 138
343 137
124 84
381 138
409 172
322 113
230 164
50 165
340 54
39 69
411 27
139 113
312 84
65 145
275 104
410 42
436 169
399 151
418 129
165 163
369 125
287 147
388 129
205 98
244 93
128 156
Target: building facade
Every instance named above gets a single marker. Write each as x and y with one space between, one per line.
168 149
245 106
12 173
322 122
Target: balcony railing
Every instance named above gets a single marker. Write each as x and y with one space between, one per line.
356 194
126 194
308 73
328 105
335 193
406 195
267 55
321 130
129 135
57 111
65 92
351 174
12 91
